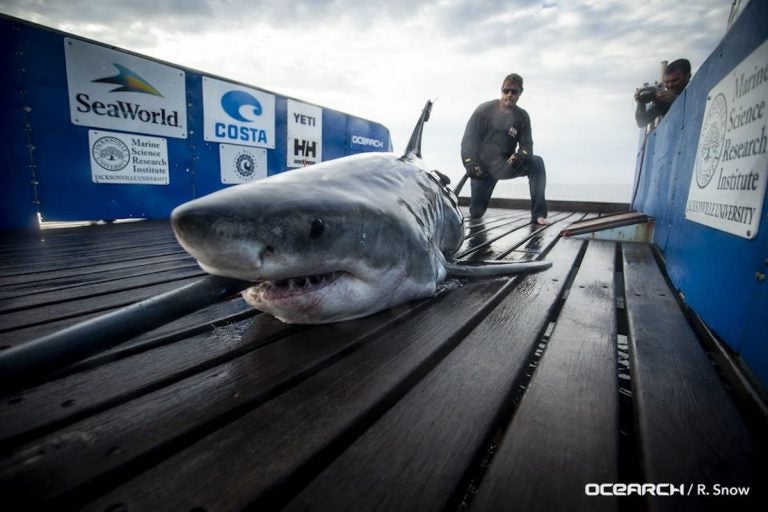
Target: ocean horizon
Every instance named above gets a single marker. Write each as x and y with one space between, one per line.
597 192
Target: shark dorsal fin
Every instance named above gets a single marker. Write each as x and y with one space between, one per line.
414 145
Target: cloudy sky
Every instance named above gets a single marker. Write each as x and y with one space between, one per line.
381 60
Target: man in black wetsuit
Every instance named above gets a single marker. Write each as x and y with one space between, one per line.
677 74
497 145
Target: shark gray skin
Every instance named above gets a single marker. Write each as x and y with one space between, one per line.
338 240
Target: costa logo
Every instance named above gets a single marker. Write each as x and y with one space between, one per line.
236 103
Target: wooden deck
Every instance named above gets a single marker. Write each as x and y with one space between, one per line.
499 394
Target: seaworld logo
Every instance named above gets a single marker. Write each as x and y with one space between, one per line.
234 102
108 88
129 81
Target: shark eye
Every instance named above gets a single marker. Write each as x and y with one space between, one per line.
316 231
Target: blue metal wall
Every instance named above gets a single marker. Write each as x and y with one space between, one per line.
47 165
718 273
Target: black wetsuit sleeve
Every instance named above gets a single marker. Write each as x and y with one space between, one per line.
525 141
473 135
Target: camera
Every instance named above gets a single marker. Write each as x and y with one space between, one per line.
647 93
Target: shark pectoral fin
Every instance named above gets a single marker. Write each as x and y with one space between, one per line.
494 268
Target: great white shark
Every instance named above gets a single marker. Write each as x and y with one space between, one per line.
337 240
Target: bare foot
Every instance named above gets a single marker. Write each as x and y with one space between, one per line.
543 221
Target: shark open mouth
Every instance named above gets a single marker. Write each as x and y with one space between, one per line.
283 288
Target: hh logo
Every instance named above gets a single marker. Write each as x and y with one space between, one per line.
305 148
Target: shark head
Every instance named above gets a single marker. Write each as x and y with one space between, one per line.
335 241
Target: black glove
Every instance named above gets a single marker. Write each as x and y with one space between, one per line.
517 160
473 169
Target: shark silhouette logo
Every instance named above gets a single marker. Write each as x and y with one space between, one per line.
129 81
233 101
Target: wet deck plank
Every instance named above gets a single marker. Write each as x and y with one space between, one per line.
566 427
677 389
474 381
493 392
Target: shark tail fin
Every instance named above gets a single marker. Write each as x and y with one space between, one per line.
414 144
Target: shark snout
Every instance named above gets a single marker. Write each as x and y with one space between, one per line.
218 242
187 221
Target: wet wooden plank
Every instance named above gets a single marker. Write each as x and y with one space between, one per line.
565 432
216 315
689 429
74 463
540 238
101 288
489 226
101 237
79 236
76 250
258 456
433 435
82 264
212 315
56 403
69 275
61 280
108 300
502 239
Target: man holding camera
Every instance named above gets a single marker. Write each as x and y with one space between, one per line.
497 145
654 102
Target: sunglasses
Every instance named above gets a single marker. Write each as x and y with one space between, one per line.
516 92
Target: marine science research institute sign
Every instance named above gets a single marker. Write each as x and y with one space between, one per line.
731 169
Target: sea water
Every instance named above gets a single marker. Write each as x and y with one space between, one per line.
599 192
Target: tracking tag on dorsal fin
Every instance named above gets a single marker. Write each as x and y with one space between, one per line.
414 145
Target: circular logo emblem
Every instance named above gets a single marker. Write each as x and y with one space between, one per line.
711 140
111 153
245 165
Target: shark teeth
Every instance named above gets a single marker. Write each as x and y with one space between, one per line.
297 285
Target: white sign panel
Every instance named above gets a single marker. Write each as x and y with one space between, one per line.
238 115
128 159
305 134
241 164
114 90
729 176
